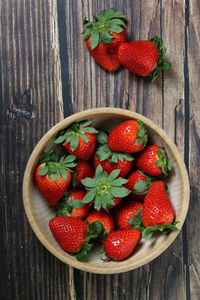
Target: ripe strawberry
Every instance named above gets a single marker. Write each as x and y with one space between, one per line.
53 176
79 139
125 211
138 183
103 189
73 234
82 170
157 208
120 244
111 160
103 37
130 137
143 58
153 161
104 217
69 206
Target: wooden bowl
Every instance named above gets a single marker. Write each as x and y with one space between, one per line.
39 212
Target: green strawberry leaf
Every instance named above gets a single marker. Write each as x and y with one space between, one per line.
166 228
102 138
95 37
74 143
160 64
43 171
104 23
141 134
162 161
141 187
89 197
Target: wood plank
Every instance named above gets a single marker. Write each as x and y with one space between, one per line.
193 145
31 103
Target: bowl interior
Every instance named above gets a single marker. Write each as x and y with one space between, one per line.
39 212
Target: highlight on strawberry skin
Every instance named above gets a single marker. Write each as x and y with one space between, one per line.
103 37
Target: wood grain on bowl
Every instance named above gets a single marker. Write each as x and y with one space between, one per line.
39 213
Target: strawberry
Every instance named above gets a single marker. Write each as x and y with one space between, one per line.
79 139
69 206
53 176
120 244
73 234
104 188
129 137
104 217
111 160
153 161
158 213
82 170
125 211
143 58
103 37
138 183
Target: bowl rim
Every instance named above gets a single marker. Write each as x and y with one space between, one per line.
116 267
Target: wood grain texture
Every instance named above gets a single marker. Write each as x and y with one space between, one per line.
193 147
44 67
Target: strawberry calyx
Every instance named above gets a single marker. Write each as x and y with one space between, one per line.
162 161
71 135
103 188
141 134
163 65
53 166
105 24
65 206
147 232
142 186
136 221
104 152
95 230
165 228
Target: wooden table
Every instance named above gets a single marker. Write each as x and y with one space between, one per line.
47 74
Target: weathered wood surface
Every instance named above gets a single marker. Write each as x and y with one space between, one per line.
46 67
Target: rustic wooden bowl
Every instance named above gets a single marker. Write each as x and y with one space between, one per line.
39 212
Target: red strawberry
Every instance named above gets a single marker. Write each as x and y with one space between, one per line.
143 58
73 234
111 160
138 183
82 170
153 161
103 189
69 206
79 139
125 211
130 137
120 244
69 232
52 176
104 217
157 208
103 37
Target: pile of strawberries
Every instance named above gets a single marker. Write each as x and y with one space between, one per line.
106 188
107 42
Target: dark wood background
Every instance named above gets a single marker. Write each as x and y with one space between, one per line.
46 74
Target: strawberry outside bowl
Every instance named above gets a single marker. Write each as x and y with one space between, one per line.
39 212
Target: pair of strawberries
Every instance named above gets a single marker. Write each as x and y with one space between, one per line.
106 40
84 196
